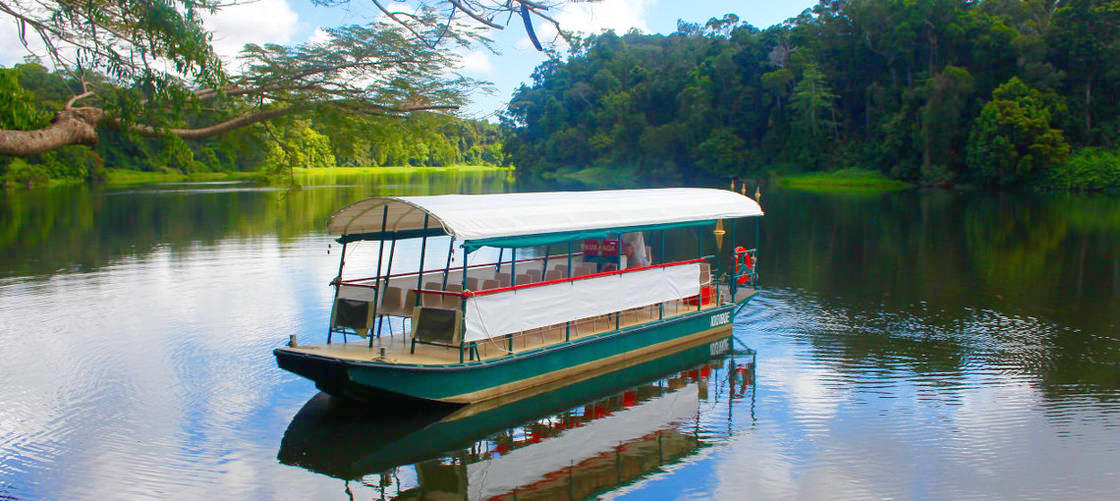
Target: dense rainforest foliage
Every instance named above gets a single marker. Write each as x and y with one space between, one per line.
993 93
29 91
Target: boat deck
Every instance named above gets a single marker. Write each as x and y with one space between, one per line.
397 346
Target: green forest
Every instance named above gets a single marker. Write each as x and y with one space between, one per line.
994 94
29 93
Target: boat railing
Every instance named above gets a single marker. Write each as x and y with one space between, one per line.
571 328
360 282
432 296
575 278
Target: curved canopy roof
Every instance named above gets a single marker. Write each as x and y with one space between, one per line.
503 219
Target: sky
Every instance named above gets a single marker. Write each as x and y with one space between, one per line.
297 21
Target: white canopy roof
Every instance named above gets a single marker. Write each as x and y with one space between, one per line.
480 217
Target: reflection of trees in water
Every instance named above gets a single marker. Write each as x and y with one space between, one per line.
583 457
74 227
937 282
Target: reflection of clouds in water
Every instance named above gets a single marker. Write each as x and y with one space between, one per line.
812 401
181 388
993 442
180 374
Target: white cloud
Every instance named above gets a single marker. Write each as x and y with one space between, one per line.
593 17
263 21
319 36
12 50
477 61
590 18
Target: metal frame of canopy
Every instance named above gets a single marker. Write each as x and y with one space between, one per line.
507 238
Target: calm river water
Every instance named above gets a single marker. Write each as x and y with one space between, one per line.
910 345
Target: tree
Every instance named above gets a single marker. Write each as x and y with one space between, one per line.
1086 42
1012 139
944 123
156 57
298 145
812 102
17 105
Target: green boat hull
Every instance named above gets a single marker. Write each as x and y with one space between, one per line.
477 381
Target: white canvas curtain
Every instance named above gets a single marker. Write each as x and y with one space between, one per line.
502 313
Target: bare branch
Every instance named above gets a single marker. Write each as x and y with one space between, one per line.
475 16
405 24
70 103
210 131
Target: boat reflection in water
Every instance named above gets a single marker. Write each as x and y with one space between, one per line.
568 442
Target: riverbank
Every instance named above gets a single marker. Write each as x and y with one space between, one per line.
117 178
124 177
859 181
397 169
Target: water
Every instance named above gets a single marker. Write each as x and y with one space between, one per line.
915 345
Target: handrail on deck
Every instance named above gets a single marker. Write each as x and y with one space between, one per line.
468 293
350 281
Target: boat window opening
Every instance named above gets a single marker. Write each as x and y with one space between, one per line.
396 302
447 267
337 279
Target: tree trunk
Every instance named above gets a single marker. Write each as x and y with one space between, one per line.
79 126
70 126
1088 106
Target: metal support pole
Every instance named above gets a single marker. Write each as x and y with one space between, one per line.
757 245
513 266
662 247
389 273
447 267
377 281
568 324
618 245
569 259
423 249
544 268
463 309
337 285
498 267
700 254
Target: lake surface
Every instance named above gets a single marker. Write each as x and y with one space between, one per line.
909 345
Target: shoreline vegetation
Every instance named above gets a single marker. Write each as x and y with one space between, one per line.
994 95
850 181
123 177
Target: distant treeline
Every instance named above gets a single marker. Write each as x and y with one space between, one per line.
993 93
29 93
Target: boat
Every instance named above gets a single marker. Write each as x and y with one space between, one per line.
470 332
551 443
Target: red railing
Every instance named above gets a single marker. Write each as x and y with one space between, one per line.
581 277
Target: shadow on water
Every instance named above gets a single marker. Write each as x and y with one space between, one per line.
564 443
